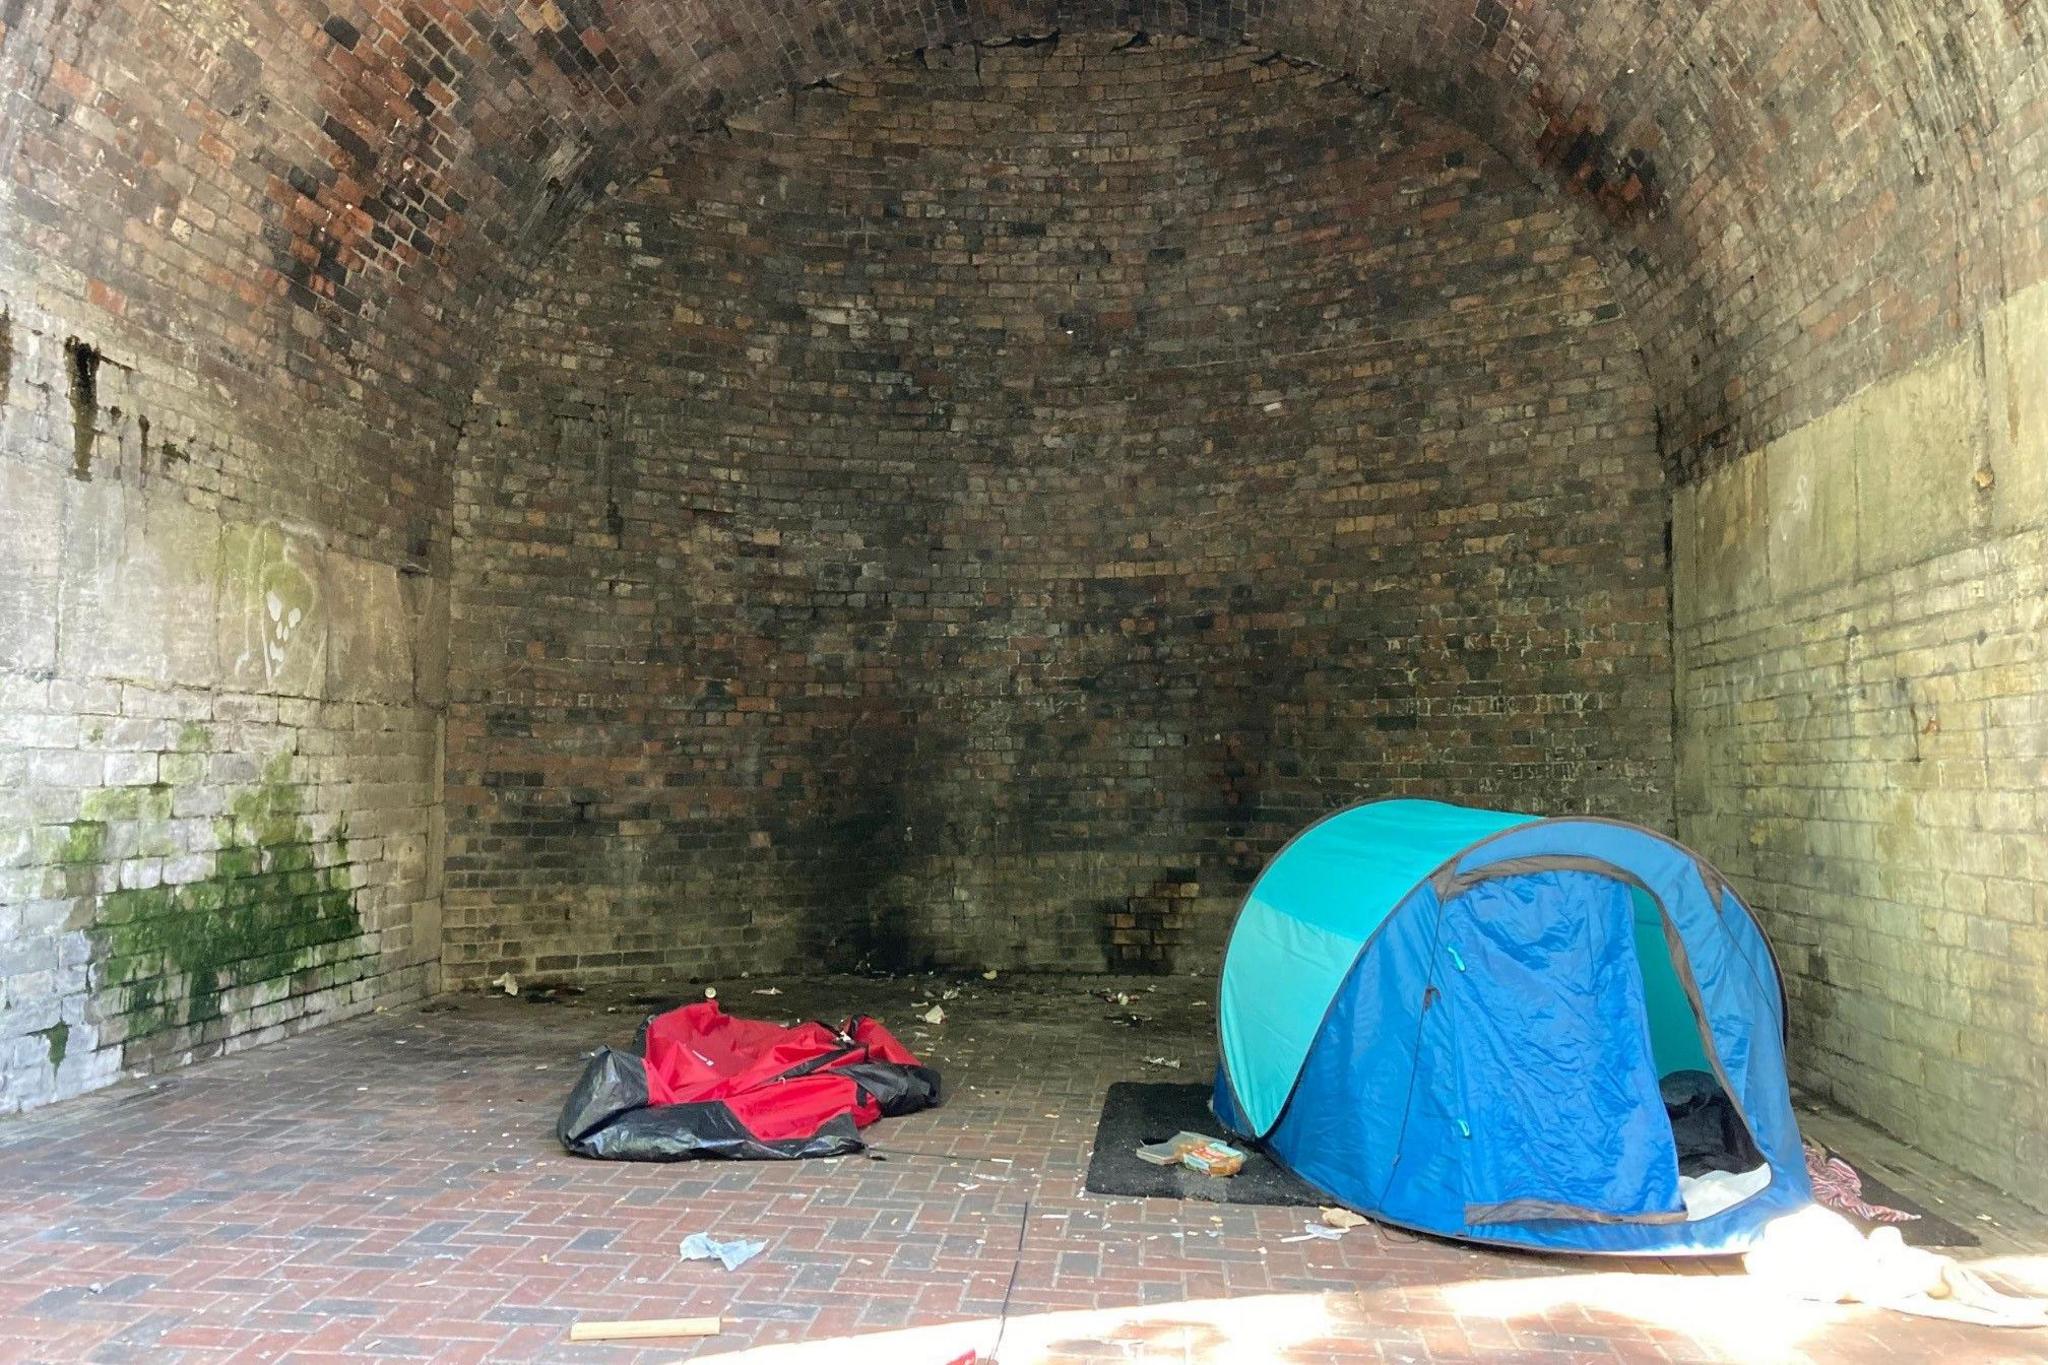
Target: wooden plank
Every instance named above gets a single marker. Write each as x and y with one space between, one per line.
645 1328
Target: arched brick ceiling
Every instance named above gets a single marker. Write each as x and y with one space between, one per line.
1799 197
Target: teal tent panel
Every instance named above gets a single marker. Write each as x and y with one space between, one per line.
1304 922
1674 1030
1345 873
1263 1016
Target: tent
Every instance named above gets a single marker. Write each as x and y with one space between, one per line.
1566 1034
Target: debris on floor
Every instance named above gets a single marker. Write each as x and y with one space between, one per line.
732 1254
1199 1152
1159 1154
1363 1294
1343 1219
1170 1063
1316 1232
1818 1254
507 983
709 1084
1836 1185
646 1329
935 1015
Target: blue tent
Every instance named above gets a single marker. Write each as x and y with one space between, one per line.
1458 1021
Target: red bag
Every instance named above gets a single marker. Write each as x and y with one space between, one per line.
709 1084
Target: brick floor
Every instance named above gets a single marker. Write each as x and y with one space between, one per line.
390 1188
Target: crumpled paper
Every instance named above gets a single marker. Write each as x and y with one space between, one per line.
700 1246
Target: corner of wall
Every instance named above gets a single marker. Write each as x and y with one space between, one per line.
1863 717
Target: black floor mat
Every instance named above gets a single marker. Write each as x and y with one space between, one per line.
1930 1229
1137 1112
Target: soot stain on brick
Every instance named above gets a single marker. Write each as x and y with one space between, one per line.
342 31
84 363
850 855
272 902
1081 708
1142 932
1622 182
865 853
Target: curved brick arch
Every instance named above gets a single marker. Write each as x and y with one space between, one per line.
1800 199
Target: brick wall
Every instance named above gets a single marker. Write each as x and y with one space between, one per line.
218 745
972 513
278 231
1864 737
223 535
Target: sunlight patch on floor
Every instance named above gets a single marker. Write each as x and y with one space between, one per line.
1734 1316
1252 1330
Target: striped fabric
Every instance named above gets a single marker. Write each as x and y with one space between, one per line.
1837 1186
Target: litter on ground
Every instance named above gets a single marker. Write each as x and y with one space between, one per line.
646 1329
731 1254
1818 1254
1198 1152
1316 1232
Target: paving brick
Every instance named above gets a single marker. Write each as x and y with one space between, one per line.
390 1188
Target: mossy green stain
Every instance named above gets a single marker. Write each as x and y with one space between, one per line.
85 841
57 1037
272 908
108 804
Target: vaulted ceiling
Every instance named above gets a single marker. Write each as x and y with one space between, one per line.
1797 197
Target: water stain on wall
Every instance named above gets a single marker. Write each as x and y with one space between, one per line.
84 362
